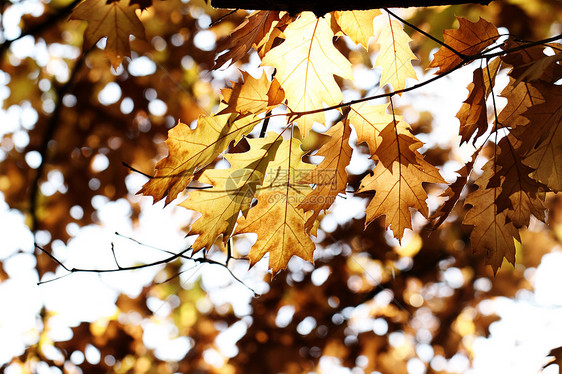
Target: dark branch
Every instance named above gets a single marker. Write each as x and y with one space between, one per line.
321 7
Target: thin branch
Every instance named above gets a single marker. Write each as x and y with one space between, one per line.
223 17
265 124
115 257
441 43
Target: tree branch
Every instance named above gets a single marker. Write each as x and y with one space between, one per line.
321 7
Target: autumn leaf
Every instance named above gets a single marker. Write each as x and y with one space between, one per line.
251 33
545 156
395 56
191 150
252 95
532 64
520 195
453 193
519 99
115 20
556 353
469 39
493 235
232 191
330 176
357 24
306 63
397 179
368 121
276 218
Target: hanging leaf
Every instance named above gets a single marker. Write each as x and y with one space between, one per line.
276 218
469 39
395 56
306 63
115 20
357 24
232 191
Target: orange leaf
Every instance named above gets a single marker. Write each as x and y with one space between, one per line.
252 96
397 179
115 20
250 33
469 39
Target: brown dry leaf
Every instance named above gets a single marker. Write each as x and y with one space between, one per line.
469 39
252 95
519 99
492 236
357 24
192 150
520 195
395 55
557 354
397 179
276 218
543 139
115 20
330 176
368 121
453 192
473 115
232 192
306 63
253 31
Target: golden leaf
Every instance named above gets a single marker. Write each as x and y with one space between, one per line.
232 192
276 218
357 24
306 63
369 121
395 56
115 20
192 150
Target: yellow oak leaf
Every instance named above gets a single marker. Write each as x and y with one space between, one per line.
330 176
306 63
276 218
253 31
395 56
397 179
192 150
543 138
492 236
469 39
253 95
232 191
115 20
369 121
357 24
